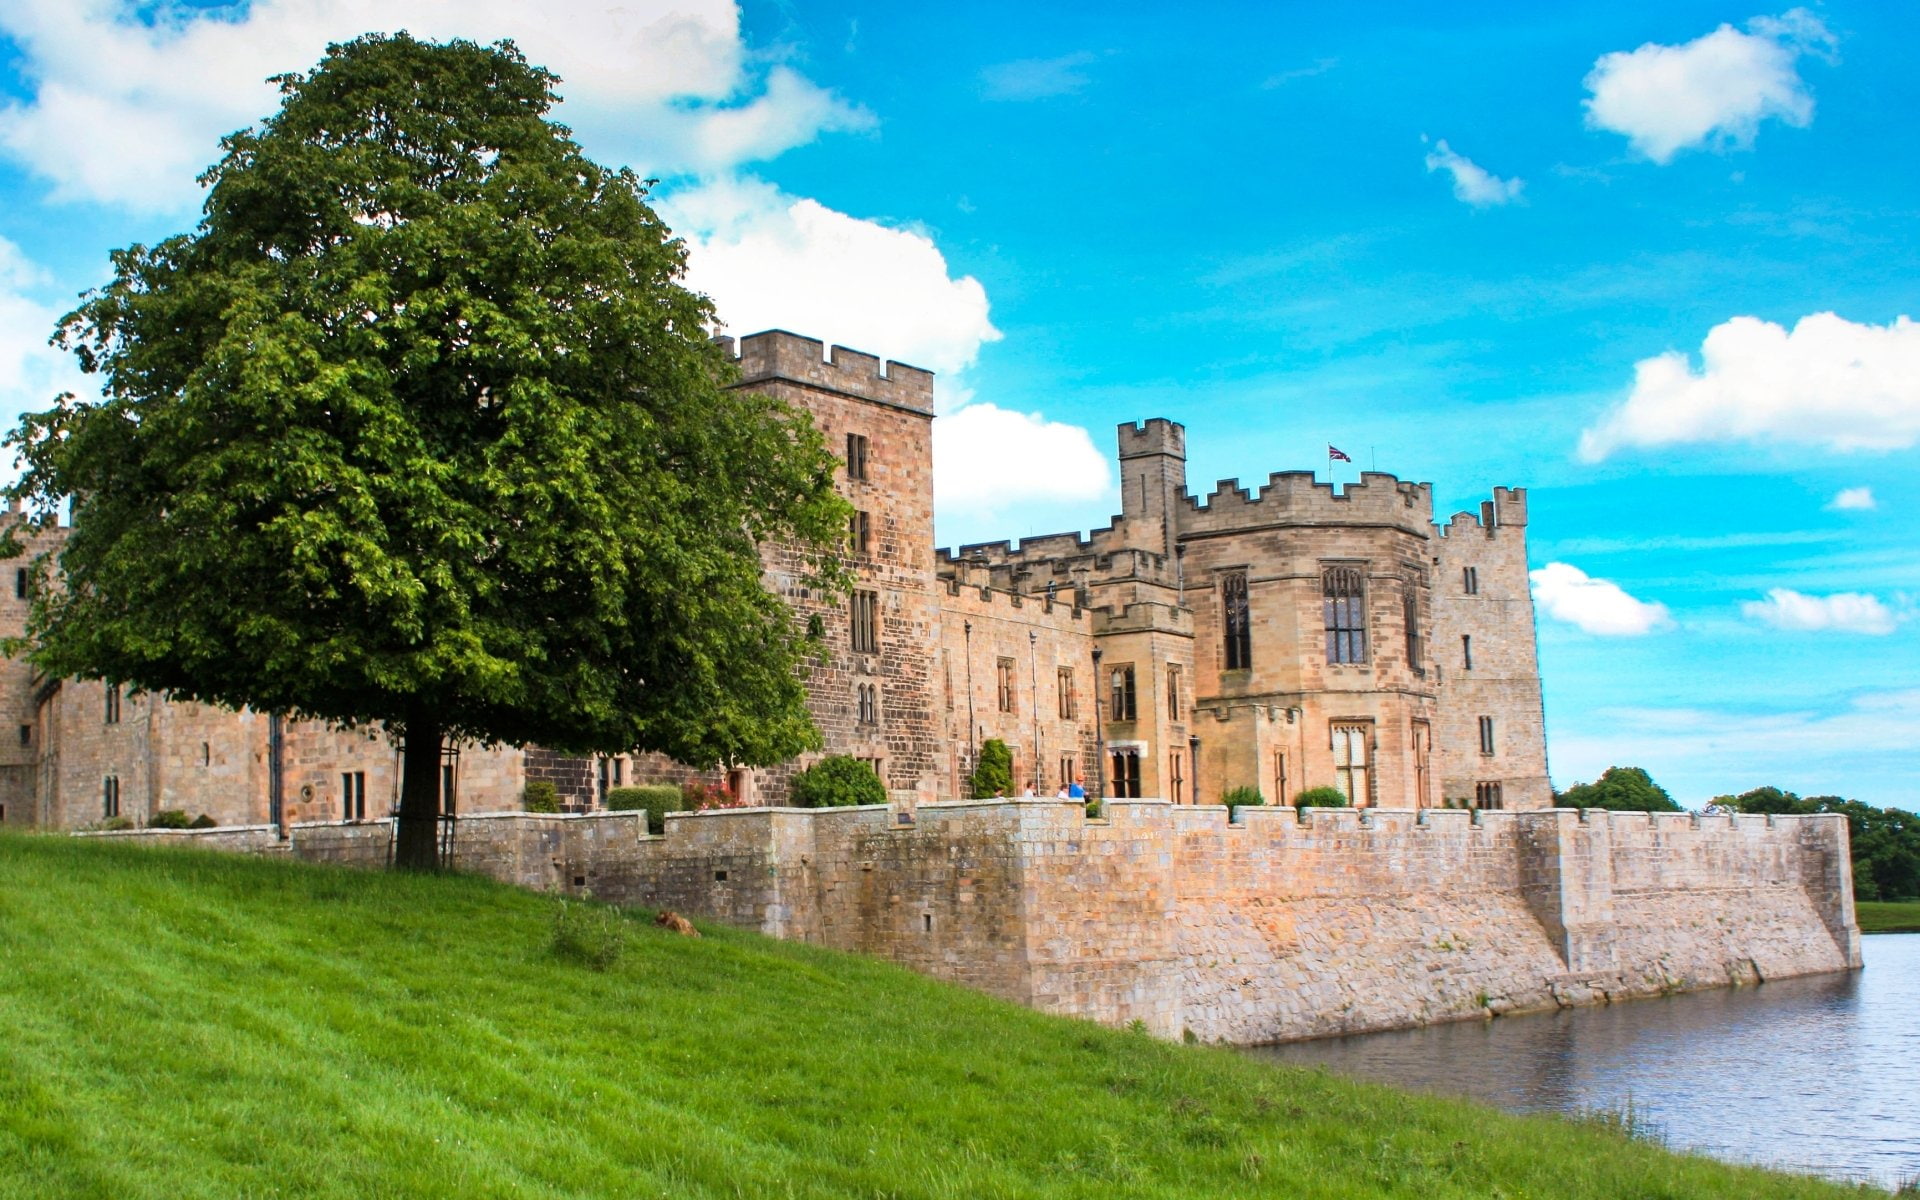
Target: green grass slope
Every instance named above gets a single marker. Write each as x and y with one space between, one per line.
1888 916
180 1024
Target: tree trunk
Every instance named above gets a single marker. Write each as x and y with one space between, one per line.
417 848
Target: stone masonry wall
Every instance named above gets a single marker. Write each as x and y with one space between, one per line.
1270 929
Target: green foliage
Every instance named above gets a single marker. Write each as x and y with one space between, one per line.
1096 808
592 935
144 1051
111 824
203 821
420 426
1621 789
1885 841
836 781
993 773
540 796
1242 797
169 818
657 799
1320 797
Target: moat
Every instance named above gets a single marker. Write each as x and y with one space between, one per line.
1815 1074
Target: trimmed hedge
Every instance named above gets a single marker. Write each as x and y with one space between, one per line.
541 796
1321 797
836 781
656 799
170 818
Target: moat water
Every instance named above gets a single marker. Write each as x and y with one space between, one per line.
1817 1075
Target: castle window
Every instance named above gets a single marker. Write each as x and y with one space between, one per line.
26 735
1486 735
206 754
1280 777
1126 774
1486 795
1466 651
1003 676
20 583
1238 621
856 456
1470 580
949 667
112 713
353 795
1410 605
1068 770
1422 761
873 764
110 796
860 532
1173 693
1344 594
1123 699
869 700
866 622
1064 681
447 796
1350 762
1176 778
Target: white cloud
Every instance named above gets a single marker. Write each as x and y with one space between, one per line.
1830 382
1472 183
771 261
991 459
1845 612
128 100
1036 78
1854 499
1702 752
32 373
1597 606
1714 90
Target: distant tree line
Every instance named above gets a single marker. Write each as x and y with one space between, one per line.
1886 841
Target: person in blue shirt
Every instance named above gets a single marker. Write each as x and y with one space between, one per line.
1075 791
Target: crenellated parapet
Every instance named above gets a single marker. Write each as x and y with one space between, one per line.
1156 435
1144 616
777 355
1297 498
1506 510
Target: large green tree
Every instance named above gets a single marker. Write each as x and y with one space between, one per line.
419 426
1623 789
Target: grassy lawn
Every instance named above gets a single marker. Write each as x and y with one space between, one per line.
181 1024
1888 916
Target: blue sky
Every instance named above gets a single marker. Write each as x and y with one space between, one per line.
1651 262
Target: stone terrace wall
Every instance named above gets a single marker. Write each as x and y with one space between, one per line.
1270 929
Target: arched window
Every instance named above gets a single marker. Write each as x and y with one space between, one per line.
1344 593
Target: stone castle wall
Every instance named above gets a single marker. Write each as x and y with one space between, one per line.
1270 929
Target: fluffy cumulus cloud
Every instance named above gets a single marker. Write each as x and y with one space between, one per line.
1598 606
1853 499
774 261
127 101
988 459
32 373
1472 183
1714 90
1843 612
1827 382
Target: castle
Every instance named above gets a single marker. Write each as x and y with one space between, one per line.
1298 636
1291 638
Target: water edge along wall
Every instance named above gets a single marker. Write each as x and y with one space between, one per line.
1269 929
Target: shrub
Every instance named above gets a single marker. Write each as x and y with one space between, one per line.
657 799
836 781
169 818
1321 797
993 771
1623 789
1242 797
203 821
111 824
541 797
588 934
1095 808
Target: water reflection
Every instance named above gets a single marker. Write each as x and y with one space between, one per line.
1819 1075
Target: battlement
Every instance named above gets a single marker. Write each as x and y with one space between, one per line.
1507 508
1144 616
1297 498
1156 435
779 356
982 597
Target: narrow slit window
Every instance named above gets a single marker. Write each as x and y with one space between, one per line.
1173 693
1064 680
1466 651
1004 685
1486 735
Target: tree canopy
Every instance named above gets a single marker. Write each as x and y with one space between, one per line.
1623 789
419 426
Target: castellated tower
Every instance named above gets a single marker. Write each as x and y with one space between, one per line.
1491 725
